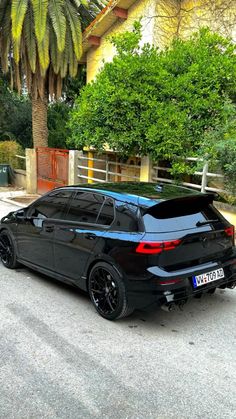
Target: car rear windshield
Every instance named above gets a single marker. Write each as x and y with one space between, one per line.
180 216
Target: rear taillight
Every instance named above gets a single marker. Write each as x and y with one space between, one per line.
169 281
229 231
152 248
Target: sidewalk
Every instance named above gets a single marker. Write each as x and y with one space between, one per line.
16 196
6 207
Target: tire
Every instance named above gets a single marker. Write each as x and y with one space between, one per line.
107 292
7 251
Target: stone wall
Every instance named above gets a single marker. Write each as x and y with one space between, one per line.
20 178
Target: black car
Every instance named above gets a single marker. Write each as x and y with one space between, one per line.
130 245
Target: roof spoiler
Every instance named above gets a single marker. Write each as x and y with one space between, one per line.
180 206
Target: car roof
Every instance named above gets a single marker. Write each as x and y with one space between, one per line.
143 194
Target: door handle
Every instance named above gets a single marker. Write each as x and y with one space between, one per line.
49 229
90 236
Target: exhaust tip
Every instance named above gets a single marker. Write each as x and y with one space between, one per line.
181 304
172 306
168 307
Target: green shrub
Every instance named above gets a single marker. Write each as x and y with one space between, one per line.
8 152
226 156
159 103
219 148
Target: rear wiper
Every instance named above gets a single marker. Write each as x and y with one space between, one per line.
202 223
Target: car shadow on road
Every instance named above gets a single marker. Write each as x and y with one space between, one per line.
199 313
195 311
53 282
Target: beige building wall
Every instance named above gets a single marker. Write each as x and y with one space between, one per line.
183 17
162 20
219 15
144 9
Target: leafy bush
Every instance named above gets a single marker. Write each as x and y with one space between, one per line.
161 103
226 157
219 148
8 152
15 115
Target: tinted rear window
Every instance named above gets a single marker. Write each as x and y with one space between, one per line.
126 217
159 223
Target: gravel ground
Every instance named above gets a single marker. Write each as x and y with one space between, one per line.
59 359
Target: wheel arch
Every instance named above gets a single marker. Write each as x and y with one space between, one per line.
103 260
8 233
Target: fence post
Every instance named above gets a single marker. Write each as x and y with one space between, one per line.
90 165
73 167
204 177
146 169
31 170
107 168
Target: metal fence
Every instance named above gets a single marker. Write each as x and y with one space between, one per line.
204 180
107 168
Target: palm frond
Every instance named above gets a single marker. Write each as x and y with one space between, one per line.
43 53
58 22
65 58
55 55
73 61
51 82
78 3
40 8
18 11
58 86
41 40
29 39
16 50
5 39
28 74
75 27
3 7
88 13
41 85
17 77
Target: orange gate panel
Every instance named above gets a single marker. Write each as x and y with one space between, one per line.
52 168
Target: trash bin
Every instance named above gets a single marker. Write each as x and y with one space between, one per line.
6 174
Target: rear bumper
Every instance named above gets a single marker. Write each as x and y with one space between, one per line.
154 292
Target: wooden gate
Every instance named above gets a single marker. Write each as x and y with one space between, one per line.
52 168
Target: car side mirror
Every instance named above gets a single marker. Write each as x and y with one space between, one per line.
21 214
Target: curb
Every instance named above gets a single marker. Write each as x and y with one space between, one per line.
9 201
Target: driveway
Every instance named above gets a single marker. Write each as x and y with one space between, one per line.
59 359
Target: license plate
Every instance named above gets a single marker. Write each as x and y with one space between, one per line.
208 277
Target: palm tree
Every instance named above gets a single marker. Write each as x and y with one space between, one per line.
41 44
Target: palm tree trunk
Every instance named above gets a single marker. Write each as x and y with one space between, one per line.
39 122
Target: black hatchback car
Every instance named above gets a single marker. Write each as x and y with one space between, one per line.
130 245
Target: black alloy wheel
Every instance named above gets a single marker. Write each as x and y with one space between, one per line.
107 292
7 251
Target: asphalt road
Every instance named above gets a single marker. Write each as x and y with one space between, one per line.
59 359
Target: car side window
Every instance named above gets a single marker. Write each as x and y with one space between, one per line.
126 217
51 205
107 213
85 207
